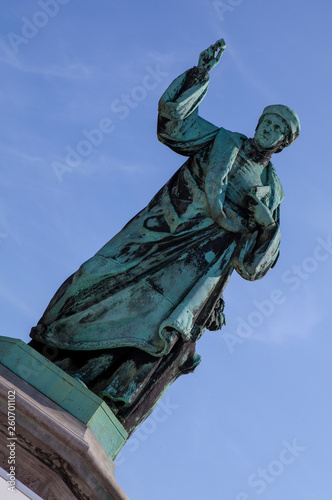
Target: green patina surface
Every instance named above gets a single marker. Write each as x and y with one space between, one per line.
64 390
128 319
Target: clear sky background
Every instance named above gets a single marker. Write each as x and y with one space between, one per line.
254 420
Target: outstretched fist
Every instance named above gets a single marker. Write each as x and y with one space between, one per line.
210 57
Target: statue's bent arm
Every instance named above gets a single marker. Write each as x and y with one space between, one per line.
179 126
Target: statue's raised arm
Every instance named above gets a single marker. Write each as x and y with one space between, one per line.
179 125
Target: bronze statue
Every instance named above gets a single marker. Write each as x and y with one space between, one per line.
127 321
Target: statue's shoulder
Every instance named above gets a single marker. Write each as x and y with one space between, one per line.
224 134
224 151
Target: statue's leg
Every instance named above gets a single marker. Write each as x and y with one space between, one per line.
86 366
182 359
130 380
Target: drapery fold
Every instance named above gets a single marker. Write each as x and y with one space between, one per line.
162 274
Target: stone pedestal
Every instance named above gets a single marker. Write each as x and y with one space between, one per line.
64 439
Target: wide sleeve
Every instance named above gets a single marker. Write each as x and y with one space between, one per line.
179 126
259 252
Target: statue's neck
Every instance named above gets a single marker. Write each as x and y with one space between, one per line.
260 156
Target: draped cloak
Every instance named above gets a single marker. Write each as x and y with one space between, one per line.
161 276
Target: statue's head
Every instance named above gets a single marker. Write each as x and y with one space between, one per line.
278 127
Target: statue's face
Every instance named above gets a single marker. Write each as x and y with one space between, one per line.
270 132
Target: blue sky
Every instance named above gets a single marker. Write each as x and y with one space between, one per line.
254 420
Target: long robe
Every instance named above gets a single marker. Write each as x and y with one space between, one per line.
162 275
127 321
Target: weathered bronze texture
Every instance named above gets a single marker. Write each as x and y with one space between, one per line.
127 321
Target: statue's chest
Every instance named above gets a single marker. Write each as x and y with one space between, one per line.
244 176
